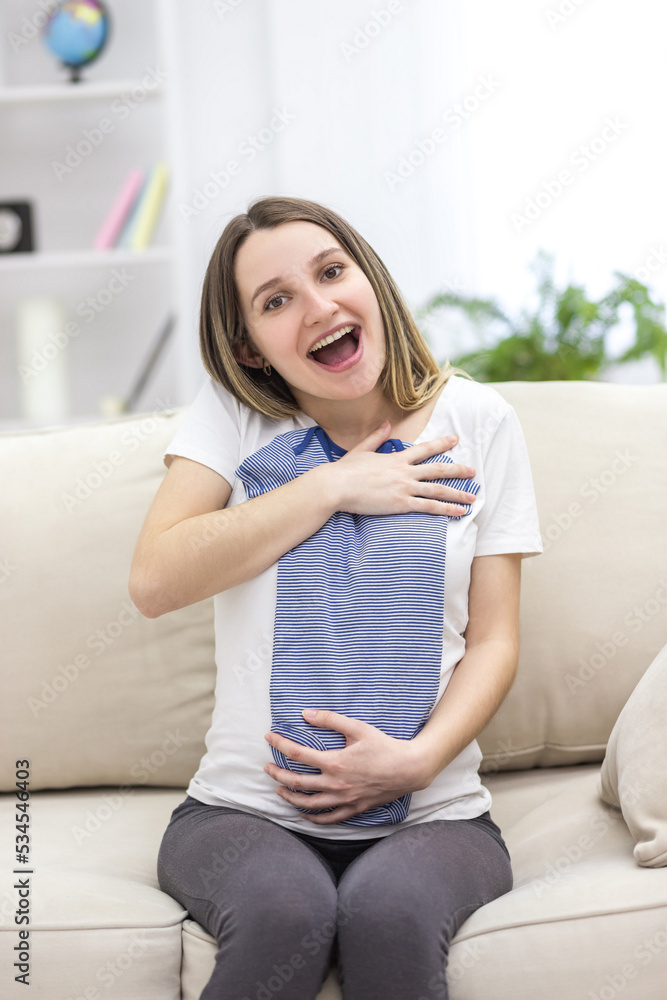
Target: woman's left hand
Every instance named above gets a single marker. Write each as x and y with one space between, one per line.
371 770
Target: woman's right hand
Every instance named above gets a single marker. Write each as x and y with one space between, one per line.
367 482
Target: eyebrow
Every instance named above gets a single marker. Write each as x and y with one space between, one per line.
278 281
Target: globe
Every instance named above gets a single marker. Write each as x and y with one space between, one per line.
77 32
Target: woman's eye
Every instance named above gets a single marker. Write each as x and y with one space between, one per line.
276 298
269 307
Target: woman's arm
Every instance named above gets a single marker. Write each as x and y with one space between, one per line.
485 673
190 548
374 768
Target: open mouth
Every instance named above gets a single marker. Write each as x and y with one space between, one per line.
342 346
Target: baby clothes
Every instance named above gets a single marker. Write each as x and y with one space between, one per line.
358 626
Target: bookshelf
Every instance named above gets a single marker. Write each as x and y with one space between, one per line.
67 150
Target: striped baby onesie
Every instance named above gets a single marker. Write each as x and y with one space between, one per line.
358 625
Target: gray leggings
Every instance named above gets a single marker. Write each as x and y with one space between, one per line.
282 906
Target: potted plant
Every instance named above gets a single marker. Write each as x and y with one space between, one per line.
565 337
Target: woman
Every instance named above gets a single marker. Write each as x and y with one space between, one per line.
325 475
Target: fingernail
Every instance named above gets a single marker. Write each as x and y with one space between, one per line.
451 438
310 714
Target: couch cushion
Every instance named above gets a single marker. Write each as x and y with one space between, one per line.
583 920
94 693
594 604
634 773
101 928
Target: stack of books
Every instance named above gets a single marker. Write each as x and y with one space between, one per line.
132 218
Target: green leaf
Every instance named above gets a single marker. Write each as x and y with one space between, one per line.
564 336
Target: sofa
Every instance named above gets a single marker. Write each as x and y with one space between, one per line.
104 714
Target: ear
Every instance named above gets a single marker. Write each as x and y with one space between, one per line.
245 354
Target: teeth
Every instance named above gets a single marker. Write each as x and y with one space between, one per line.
334 336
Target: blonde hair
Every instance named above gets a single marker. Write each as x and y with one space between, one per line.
410 376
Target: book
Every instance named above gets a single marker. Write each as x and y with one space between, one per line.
125 236
120 210
149 208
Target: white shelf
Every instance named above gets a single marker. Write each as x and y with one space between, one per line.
11 263
42 115
45 93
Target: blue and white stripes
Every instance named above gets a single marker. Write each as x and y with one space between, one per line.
359 613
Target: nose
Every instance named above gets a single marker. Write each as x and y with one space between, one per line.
318 307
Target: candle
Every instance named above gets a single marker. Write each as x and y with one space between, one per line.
42 362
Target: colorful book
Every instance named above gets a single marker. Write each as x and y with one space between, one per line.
125 238
149 208
119 211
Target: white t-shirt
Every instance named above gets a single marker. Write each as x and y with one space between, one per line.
220 432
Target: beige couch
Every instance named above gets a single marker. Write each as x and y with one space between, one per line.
111 709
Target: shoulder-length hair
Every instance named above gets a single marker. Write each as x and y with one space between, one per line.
410 376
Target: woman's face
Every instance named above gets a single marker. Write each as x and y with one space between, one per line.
296 286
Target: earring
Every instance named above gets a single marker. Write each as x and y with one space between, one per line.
267 371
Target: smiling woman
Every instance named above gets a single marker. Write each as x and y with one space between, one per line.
236 312
359 516
328 287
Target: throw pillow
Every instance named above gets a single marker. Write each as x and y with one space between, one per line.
634 770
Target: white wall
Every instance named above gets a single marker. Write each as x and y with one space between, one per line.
361 100
537 83
567 67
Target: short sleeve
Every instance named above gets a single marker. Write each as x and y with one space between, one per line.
210 432
508 521
270 467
